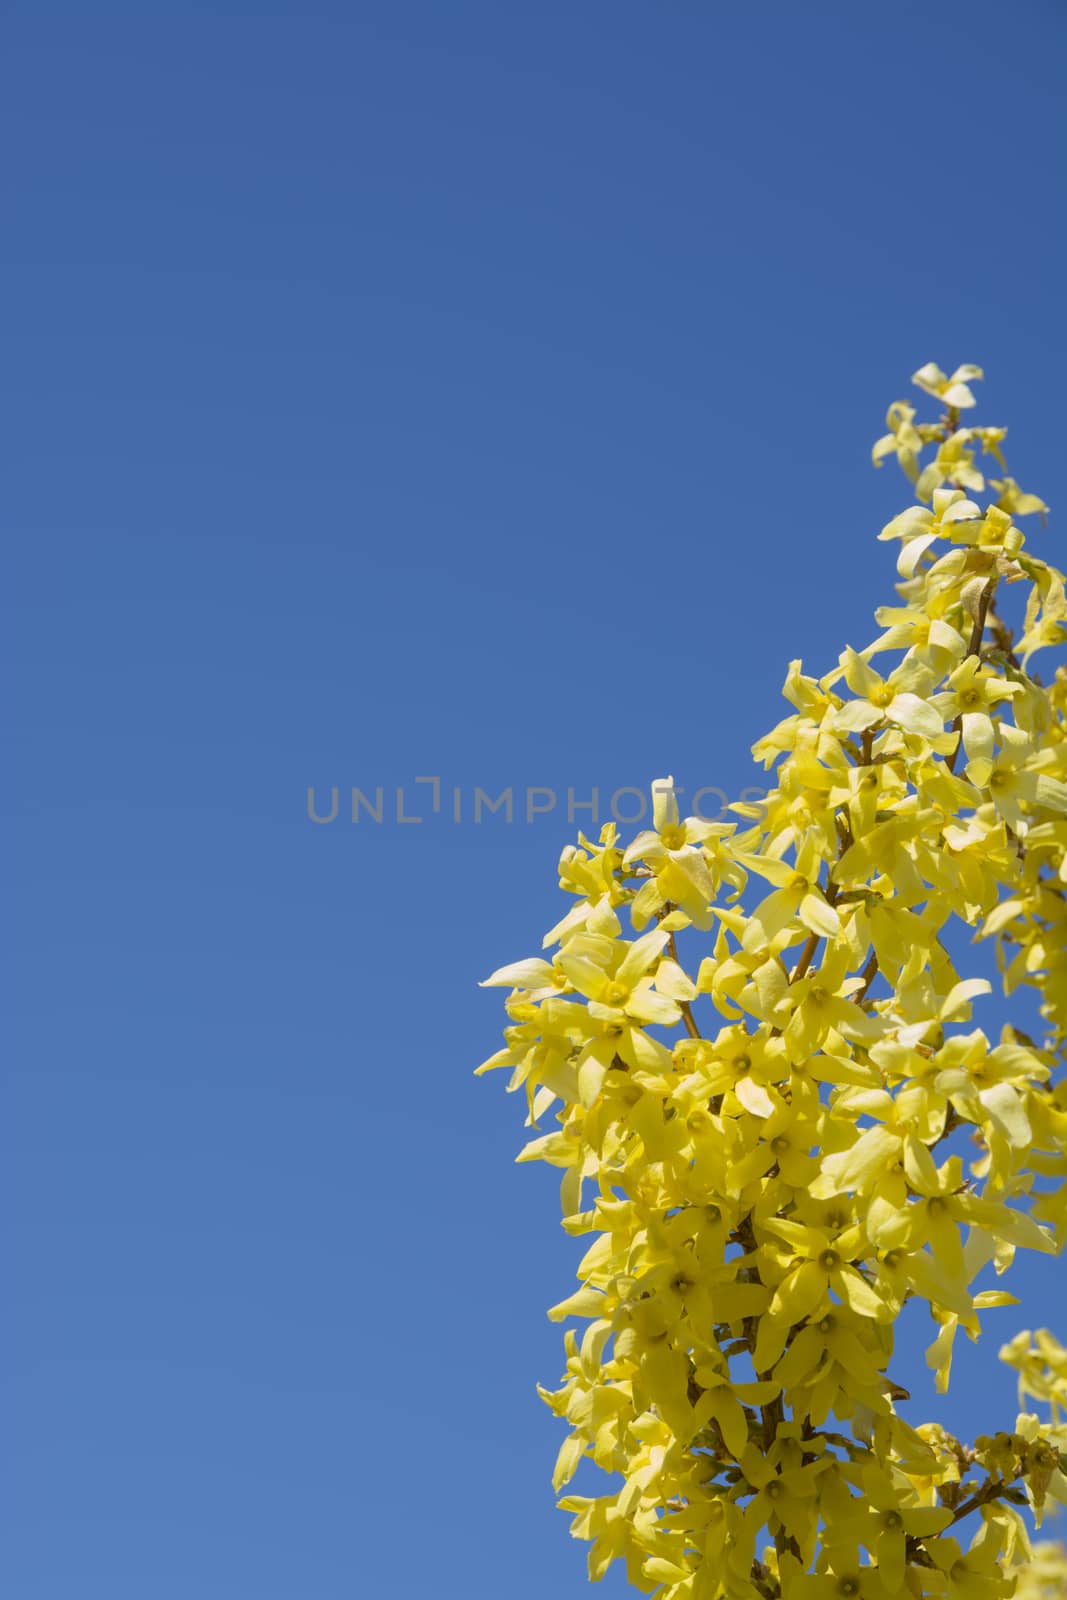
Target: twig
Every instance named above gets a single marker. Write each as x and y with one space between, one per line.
870 972
811 944
974 648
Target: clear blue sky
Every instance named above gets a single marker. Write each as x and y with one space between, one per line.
395 390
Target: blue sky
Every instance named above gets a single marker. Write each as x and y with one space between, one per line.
475 391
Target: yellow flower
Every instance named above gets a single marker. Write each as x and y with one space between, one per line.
976 1574
847 1580
613 977
1045 1575
797 895
881 1522
970 693
683 862
899 699
1016 501
953 391
903 439
819 1003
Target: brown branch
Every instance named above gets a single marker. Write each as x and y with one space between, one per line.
1003 636
985 600
974 648
869 973
762 1582
811 944
845 837
991 1490
687 1017
683 1005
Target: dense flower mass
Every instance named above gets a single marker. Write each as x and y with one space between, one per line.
777 1141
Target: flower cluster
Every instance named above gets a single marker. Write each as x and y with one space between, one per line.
776 1120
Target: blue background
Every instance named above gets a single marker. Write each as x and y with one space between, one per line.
472 390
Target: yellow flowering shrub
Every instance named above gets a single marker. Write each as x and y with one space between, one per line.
778 1120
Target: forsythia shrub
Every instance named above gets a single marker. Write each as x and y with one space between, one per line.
768 1189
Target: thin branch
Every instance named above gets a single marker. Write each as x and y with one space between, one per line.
811 944
974 648
683 1005
870 972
